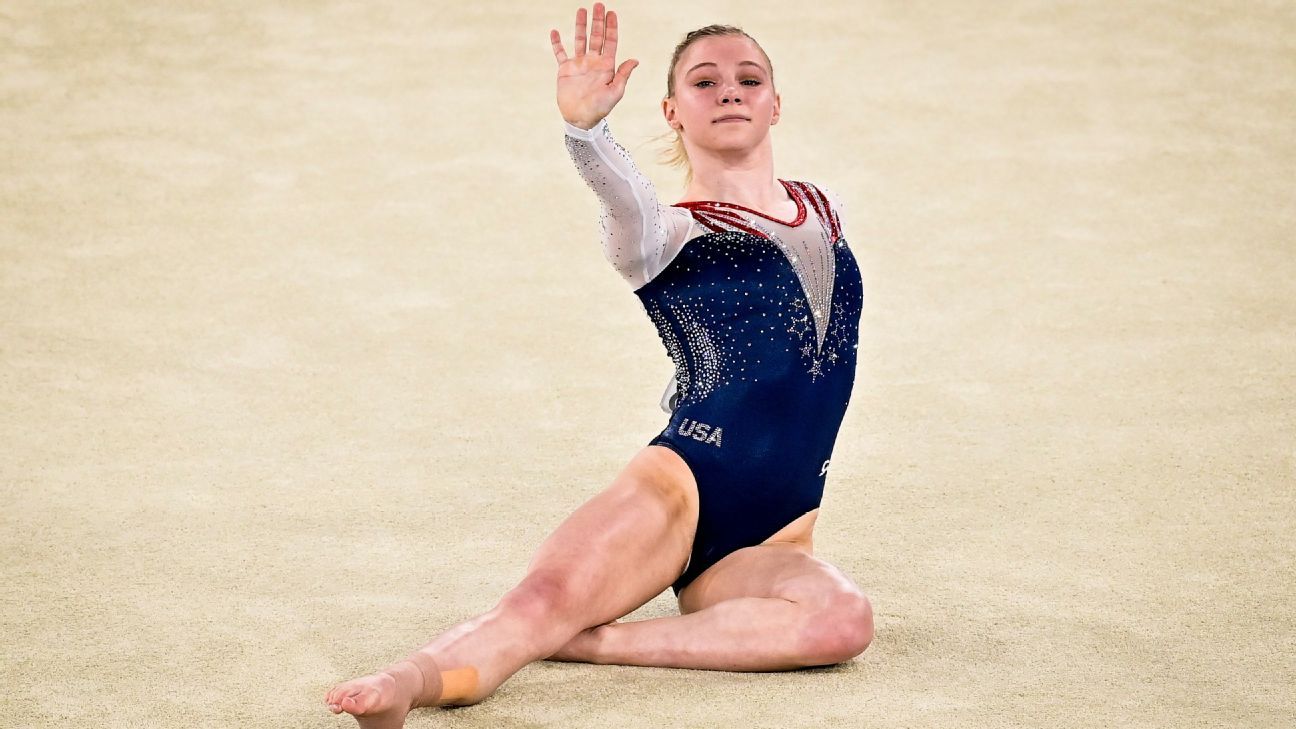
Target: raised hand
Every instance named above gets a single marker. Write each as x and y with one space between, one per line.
590 84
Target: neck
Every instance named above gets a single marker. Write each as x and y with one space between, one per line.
742 177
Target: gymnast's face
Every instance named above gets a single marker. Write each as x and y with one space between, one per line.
719 76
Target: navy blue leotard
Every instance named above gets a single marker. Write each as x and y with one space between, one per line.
761 319
760 400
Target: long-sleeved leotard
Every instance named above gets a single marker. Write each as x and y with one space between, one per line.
761 319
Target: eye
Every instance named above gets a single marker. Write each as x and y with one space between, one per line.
707 81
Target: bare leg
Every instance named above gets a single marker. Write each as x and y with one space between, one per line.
819 618
614 553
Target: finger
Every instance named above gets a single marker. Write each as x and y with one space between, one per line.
596 29
610 37
556 41
623 74
580 32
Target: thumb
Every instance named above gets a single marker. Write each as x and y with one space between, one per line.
623 73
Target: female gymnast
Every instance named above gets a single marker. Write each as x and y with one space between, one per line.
756 297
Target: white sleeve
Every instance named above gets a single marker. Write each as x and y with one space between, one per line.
640 235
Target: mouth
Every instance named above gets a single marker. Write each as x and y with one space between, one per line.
730 118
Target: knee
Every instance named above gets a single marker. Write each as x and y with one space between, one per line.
543 596
838 630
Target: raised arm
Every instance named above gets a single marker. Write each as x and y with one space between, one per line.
639 234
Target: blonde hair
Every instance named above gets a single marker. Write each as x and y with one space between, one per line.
674 154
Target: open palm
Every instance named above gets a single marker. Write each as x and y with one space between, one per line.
589 83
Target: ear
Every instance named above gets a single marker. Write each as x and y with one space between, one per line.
668 111
778 102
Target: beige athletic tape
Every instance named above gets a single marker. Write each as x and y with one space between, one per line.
458 684
442 687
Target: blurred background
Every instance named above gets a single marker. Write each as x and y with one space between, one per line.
307 341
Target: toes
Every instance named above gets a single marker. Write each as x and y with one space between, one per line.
358 702
338 692
339 697
359 697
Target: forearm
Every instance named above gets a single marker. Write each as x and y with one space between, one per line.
629 201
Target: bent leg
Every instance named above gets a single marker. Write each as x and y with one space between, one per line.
611 555
614 553
770 607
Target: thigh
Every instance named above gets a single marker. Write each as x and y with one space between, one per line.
626 544
774 569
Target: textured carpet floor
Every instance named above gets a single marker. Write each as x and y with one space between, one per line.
306 343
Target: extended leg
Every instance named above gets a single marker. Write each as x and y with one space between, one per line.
765 608
614 553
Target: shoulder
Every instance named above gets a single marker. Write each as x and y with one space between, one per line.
832 196
820 194
830 193
826 203
674 212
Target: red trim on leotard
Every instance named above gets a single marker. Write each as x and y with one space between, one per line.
804 189
713 219
715 206
707 217
823 208
834 225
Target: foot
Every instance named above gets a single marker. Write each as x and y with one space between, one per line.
380 700
584 647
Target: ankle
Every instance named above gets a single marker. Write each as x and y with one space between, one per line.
427 688
435 687
409 680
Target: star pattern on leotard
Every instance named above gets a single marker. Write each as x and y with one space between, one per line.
817 356
817 359
800 326
815 369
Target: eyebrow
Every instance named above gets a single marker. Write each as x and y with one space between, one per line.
709 63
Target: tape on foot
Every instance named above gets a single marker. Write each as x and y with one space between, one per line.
459 684
442 687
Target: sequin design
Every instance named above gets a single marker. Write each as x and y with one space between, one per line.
700 355
723 309
639 235
811 254
732 309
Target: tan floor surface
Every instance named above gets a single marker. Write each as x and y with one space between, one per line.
307 342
